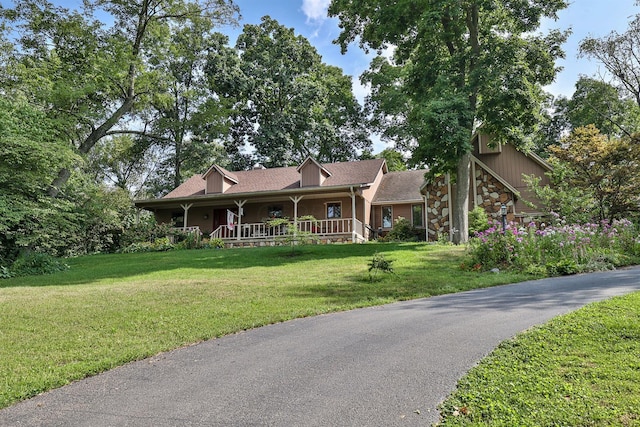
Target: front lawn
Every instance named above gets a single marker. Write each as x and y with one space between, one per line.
107 310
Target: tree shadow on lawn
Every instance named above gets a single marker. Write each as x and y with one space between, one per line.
91 268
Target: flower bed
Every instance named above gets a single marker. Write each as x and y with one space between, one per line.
555 249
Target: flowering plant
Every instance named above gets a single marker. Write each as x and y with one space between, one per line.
556 248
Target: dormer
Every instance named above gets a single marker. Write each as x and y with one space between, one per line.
218 180
485 145
312 173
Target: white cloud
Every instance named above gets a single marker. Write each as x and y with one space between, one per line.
315 10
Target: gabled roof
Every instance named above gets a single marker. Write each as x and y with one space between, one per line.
312 160
222 171
399 187
272 180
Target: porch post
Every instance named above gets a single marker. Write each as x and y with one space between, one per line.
186 214
295 200
353 216
239 204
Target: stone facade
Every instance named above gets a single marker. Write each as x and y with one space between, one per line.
438 208
490 193
262 242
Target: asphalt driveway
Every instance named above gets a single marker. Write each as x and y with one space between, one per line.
382 366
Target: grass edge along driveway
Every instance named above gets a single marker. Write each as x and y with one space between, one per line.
579 369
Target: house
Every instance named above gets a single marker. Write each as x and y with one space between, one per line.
351 201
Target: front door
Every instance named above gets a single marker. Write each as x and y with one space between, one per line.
219 218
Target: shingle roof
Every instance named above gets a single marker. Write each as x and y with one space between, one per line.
400 187
271 180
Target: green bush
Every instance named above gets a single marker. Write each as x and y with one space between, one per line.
478 221
35 263
159 245
5 273
216 243
189 240
403 231
146 230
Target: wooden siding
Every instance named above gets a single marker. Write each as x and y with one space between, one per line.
214 183
368 194
483 145
511 165
311 175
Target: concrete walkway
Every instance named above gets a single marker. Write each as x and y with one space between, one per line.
382 366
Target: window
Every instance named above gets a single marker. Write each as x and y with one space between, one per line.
334 210
274 211
387 217
417 216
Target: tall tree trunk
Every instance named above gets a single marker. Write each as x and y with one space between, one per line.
461 203
91 140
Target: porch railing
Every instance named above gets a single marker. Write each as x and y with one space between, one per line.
261 230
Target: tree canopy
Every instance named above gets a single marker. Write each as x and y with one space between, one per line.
595 177
287 104
93 77
620 55
457 65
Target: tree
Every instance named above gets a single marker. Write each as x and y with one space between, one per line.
620 55
124 162
600 104
394 159
460 64
90 76
184 111
31 147
606 170
287 104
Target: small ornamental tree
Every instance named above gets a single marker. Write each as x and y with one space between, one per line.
608 170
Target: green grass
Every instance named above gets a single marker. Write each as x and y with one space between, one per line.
111 309
581 369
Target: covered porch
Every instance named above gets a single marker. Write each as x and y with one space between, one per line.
327 217
345 229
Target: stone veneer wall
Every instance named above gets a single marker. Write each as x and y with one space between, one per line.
438 208
260 243
491 194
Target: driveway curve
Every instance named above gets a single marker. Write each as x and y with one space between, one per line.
383 366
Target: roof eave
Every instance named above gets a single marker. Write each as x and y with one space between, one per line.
255 194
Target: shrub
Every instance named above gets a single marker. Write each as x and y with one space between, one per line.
403 231
5 273
35 263
478 221
146 230
159 245
216 243
189 240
